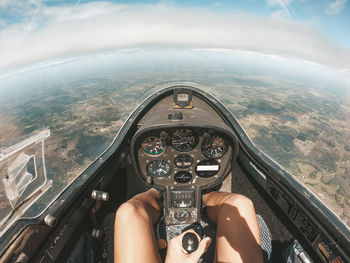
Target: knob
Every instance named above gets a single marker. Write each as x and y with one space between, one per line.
99 195
190 242
95 233
50 220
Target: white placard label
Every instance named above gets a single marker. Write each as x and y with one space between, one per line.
214 167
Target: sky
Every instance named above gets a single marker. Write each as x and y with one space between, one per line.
33 31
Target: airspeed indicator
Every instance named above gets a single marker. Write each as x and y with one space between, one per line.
153 145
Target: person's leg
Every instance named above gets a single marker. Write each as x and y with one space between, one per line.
237 236
134 239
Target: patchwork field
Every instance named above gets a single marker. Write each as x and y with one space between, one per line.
305 129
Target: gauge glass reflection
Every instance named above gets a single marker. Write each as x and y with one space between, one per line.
153 146
158 168
214 147
184 140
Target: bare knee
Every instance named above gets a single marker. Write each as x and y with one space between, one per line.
236 201
131 210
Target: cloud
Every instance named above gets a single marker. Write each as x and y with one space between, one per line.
336 6
2 23
279 14
11 7
63 31
282 3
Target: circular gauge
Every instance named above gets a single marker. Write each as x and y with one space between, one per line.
183 161
153 145
163 135
184 140
207 168
182 215
214 147
158 168
183 177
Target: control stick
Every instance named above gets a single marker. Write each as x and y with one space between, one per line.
190 242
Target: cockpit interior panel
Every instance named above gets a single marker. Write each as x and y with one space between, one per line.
183 155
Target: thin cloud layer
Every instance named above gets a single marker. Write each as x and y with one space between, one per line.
282 3
61 31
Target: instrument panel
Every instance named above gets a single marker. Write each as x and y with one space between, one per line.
184 161
184 156
183 148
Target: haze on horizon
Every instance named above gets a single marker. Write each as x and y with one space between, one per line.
37 30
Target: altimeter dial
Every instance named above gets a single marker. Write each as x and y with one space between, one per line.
184 140
158 168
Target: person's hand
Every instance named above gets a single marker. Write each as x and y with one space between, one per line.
176 253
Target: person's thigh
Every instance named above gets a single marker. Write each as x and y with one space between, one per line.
134 239
237 236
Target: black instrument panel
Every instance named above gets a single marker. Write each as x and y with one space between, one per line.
184 156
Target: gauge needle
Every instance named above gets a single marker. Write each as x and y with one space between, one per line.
180 142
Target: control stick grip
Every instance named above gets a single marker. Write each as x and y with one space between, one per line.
190 242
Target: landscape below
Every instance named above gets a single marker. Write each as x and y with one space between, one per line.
304 127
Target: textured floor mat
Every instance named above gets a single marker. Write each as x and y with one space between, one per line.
107 246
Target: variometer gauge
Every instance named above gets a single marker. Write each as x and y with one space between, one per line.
153 146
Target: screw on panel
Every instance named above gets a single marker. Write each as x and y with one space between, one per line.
50 220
